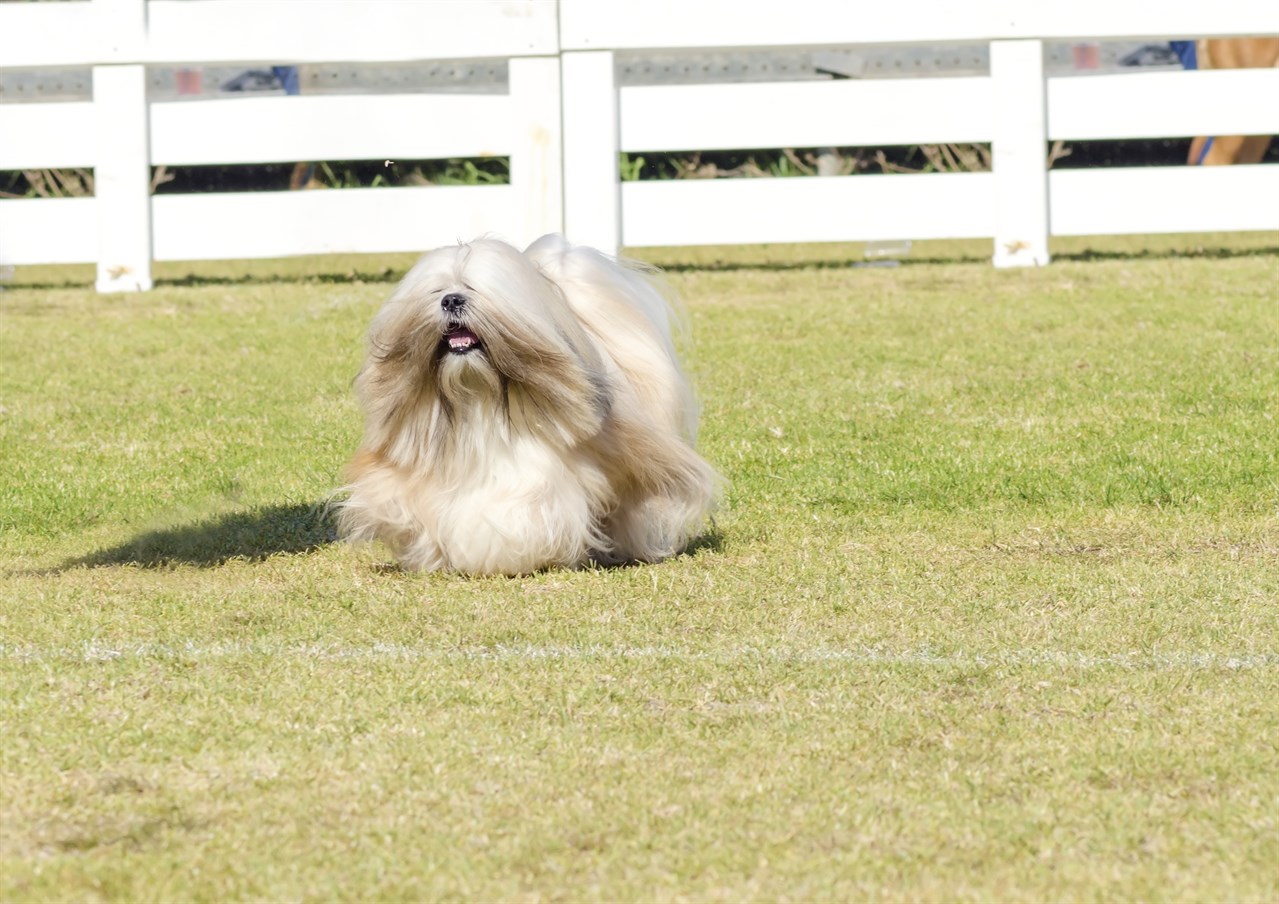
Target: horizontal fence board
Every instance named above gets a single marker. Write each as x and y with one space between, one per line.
334 127
678 24
281 224
1130 201
270 129
882 112
56 34
813 209
871 113
1164 104
221 31
283 31
46 136
1085 202
1120 20
350 30
48 231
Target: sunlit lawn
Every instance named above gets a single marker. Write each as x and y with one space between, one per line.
991 610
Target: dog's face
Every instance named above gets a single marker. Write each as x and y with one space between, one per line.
478 329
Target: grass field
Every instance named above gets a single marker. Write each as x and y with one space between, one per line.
991 611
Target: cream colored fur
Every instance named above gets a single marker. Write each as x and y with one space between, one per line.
565 437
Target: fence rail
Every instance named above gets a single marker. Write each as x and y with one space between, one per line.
565 120
158 32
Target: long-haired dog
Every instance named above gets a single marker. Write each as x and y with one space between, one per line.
526 411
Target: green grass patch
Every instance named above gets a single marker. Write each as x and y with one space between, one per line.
989 612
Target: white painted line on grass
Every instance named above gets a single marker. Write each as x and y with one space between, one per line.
101 651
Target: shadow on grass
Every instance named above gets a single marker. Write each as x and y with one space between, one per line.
393 275
859 263
354 277
258 534
711 541
1209 254
253 536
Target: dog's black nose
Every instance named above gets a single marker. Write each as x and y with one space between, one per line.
452 303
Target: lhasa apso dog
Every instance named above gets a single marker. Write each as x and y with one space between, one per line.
526 411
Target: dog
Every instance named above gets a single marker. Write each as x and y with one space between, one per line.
526 411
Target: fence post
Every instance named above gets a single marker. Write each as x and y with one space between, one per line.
1019 153
122 140
537 154
592 188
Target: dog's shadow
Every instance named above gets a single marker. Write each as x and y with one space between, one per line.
251 535
710 541
291 529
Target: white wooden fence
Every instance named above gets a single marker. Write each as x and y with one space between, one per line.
565 120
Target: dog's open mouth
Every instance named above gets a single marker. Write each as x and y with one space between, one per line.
458 340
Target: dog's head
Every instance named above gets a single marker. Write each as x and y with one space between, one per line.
478 330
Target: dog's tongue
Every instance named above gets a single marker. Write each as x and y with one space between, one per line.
461 338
